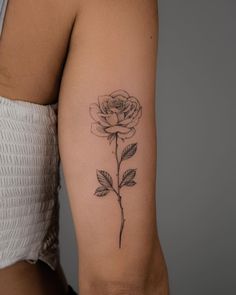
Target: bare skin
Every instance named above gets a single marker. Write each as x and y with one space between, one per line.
24 278
33 50
109 77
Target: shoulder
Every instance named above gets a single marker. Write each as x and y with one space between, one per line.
121 5
114 16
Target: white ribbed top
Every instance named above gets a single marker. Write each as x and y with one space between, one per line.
29 183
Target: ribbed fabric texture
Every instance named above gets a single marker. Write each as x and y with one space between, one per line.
29 183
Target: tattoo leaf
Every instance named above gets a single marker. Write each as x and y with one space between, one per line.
127 178
131 183
129 151
101 191
104 179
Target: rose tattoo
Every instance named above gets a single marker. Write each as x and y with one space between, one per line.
116 116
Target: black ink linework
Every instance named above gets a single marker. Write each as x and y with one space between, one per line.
115 117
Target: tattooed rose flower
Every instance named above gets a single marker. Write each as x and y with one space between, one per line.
115 115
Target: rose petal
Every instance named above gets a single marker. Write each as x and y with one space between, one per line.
93 110
112 119
115 129
126 121
103 121
120 116
103 101
127 135
127 106
120 92
133 108
134 100
133 123
120 98
133 112
117 104
114 110
95 113
137 114
98 129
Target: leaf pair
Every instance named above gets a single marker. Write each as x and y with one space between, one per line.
105 179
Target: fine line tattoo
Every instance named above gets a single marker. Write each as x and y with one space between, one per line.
115 117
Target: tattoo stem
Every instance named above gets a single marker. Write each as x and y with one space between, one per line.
118 193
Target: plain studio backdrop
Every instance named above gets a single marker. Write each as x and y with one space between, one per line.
196 116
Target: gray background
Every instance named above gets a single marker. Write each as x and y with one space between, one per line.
196 111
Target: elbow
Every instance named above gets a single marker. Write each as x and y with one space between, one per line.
110 287
149 278
126 287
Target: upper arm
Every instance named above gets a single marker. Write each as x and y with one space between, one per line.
107 137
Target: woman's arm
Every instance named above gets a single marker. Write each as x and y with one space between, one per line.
107 142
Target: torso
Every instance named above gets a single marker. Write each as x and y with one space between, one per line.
33 50
23 278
